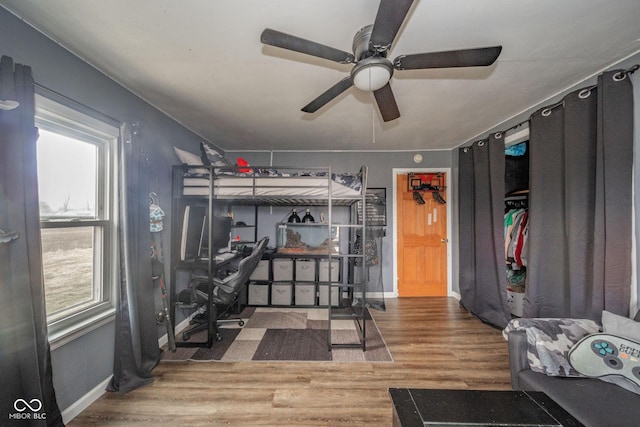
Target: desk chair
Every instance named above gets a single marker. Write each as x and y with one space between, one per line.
225 293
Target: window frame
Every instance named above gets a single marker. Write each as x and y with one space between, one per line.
60 115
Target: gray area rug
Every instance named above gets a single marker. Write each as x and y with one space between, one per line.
287 334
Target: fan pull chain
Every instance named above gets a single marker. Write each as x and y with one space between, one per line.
373 112
373 123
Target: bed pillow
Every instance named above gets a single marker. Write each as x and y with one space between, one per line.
211 156
187 158
191 159
549 341
610 358
621 326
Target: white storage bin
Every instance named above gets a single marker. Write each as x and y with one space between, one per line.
261 272
281 293
323 270
305 270
305 294
516 302
258 294
282 269
323 292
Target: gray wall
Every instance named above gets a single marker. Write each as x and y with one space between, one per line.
82 364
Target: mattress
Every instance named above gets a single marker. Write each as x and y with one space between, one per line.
303 186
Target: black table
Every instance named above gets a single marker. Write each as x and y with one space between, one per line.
429 407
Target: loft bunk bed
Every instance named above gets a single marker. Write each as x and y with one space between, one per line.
293 186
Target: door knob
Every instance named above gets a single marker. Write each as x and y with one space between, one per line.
444 240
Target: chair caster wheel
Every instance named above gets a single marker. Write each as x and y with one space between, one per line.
186 336
241 323
218 337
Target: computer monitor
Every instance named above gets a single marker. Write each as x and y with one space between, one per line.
195 233
220 236
191 232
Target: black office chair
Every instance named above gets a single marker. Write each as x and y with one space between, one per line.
225 293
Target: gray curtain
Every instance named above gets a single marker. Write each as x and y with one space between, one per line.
636 185
483 280
25 358
581 158
136 345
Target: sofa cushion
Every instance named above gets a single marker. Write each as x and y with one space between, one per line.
549 341
592 402
621 326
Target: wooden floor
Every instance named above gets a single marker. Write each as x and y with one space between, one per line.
434 343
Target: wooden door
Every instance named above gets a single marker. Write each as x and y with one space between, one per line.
422 241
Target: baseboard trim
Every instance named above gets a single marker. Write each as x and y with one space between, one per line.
163 340
85 401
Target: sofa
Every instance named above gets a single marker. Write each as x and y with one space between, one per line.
592 401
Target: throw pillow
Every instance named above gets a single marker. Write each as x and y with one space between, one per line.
211 156
610 358
621 326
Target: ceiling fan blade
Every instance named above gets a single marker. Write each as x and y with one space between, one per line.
297 44
387 103
327 96
390 16
479 57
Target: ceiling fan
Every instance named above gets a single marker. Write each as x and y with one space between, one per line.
372 70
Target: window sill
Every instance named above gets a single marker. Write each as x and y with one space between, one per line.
65 336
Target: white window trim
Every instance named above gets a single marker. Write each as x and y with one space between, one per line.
58 114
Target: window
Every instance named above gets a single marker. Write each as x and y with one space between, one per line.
76 183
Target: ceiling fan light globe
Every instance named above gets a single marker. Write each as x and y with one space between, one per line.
372 73
371 78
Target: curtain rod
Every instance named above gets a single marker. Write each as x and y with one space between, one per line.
582 94
72 103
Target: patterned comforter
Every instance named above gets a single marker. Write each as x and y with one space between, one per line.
549 341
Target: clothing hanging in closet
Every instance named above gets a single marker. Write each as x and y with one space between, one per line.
516 227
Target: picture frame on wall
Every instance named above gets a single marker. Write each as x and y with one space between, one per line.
376 210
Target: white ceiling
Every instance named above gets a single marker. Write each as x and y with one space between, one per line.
202 63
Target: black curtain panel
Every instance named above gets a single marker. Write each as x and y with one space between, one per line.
136 344
581 159
483 280
26 385
636 200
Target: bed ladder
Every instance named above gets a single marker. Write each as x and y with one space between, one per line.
355 284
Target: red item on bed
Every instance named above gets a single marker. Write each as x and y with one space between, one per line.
243 162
